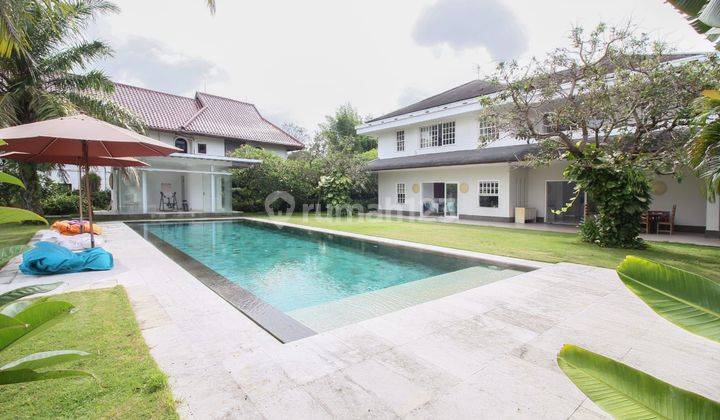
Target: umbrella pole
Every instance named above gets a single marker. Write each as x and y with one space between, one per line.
80 188
88 192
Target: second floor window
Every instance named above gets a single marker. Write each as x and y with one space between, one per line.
401 193
488 130
400 141
181 144
437 135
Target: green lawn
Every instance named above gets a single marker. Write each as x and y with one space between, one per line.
521 243
17 233
129 384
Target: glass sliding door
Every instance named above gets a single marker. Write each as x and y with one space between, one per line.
558 195
440 199
451 195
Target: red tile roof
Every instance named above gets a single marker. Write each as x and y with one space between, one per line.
205 114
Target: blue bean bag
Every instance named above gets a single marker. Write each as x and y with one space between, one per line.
49 258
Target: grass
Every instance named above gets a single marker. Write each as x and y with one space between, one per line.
521 243
17 233
129 384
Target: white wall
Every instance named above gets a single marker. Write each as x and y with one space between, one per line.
712 214
467 202
467 132
687 195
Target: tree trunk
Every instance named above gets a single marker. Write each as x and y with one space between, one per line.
30 196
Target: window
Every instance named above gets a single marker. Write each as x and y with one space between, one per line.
202 148
448 133
437 135
400 141
182 144
488 130
401 193
489 192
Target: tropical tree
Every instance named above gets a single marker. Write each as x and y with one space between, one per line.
338 134
704 16
49 77
704 147
611 105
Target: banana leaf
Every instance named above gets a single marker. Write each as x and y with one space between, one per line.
625 392
44 359
9 252
21 292
9 179
16 215
687 300
35 315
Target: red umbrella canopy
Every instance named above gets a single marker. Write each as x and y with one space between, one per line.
64 137
122 162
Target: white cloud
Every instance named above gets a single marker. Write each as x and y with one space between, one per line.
151 64
298 61
468 24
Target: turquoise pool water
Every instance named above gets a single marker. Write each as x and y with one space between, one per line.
292 269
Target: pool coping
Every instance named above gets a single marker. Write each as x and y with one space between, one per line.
509 262
275 322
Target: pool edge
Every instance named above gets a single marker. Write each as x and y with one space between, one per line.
509 262
275 322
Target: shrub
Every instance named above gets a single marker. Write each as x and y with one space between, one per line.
620 190
589 231
94 181
58 204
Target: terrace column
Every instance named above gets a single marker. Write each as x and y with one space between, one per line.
212 188
144 192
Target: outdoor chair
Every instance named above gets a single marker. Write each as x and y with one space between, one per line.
168 202
667 225
645 222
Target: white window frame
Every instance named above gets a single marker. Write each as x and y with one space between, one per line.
400 141
400 192
436 135
489 188
489 131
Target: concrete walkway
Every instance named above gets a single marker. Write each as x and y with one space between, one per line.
677 237
488 352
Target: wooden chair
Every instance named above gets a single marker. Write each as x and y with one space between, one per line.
645 222
667 225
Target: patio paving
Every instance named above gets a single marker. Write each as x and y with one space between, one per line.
485 352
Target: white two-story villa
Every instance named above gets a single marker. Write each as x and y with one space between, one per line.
438 157
207 128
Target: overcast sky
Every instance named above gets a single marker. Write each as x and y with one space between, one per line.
298 60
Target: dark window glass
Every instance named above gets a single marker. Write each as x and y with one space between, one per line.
182 144
488 201
202 148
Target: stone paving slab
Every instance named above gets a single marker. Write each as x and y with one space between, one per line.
488 352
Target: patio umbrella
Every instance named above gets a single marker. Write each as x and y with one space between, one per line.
118 162
80 137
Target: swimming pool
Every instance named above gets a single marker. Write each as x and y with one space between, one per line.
307 281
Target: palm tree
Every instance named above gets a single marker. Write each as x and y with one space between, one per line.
704 147
49 77
704 16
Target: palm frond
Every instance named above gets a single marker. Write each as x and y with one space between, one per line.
77 56
105 109
95 81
